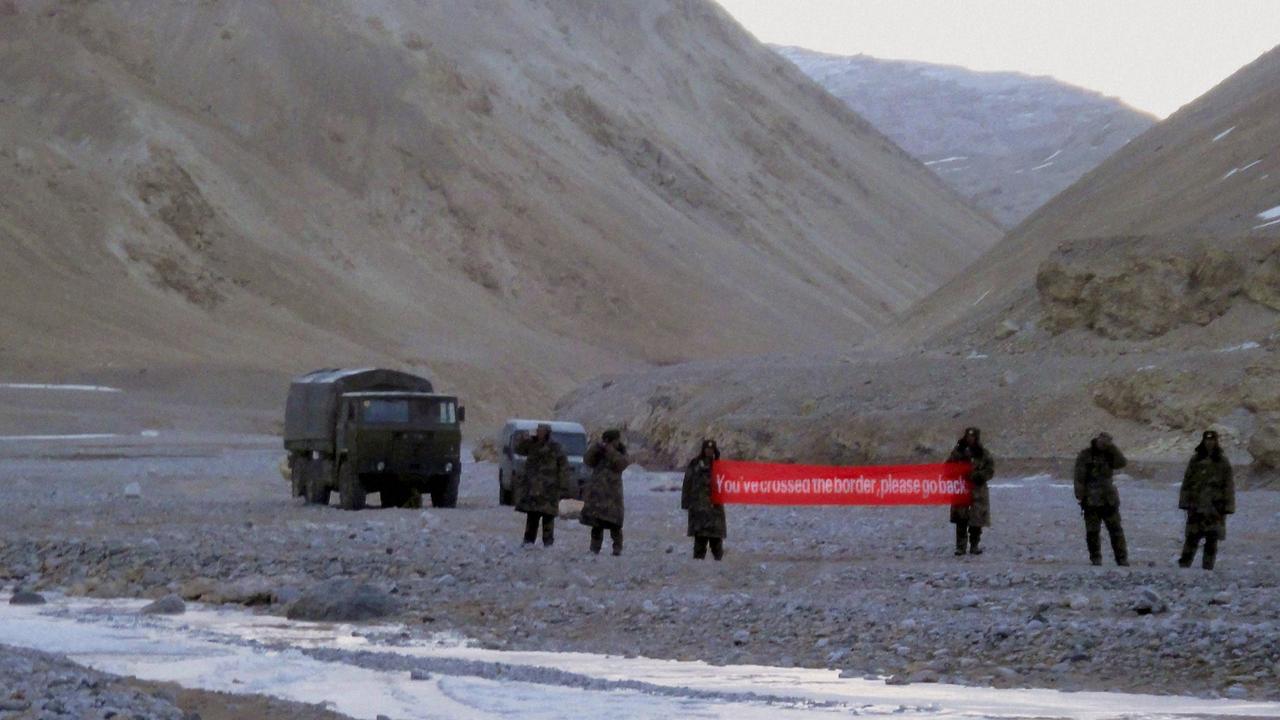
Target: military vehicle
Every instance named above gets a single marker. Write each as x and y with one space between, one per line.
572 438
371 430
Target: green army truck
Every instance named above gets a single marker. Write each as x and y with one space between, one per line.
372 430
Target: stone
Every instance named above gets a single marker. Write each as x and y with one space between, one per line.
1223 598
419 675
25 597
343 600
570 509
168 605
969 601
1078 601
1149 602
1264 444
1236 692
133 490
740 637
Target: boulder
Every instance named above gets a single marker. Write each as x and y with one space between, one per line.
343 600
485 451
1149 602
1264 445
25 597
168 605
133 490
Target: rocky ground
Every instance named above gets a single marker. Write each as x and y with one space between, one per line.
870 591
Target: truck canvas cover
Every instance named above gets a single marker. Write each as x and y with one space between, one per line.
310 412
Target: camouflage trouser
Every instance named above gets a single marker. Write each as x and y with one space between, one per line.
700 543
1094 517
531 528
597 536
971 534
1199 528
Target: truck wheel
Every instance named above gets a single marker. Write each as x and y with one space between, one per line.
445 494
316 482
298 474
351 494
504 495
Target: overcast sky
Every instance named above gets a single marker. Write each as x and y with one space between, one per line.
1156 55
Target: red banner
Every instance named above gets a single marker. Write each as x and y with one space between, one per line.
750 483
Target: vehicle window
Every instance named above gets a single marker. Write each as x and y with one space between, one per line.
571 443
384 411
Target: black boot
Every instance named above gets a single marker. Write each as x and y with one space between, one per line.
699 548
616 535
597 539
975 541
1120 547
717 549
962 538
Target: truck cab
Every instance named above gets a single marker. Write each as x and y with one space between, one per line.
571 437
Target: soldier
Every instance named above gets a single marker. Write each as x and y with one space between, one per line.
1098 498
1208 495
706 519
539 489
970 519
602 507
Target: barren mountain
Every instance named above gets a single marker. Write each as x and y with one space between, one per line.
1007 141
1144 300
509 196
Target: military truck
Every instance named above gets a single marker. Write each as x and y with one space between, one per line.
372 430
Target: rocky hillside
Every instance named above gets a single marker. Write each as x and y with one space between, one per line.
509 197
1143 300
1007 141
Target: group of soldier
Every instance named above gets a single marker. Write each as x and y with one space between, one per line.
541 486
1207 495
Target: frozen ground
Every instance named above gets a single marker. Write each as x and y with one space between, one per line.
369 671
867 593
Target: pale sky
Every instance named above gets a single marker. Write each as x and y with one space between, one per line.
1156 55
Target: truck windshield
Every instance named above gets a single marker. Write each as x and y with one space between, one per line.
571 443
392 411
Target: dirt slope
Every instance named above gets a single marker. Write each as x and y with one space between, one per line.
1009 142
1144 300
1210 171
508 196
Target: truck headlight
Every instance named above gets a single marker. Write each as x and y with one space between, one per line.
448 467
381 466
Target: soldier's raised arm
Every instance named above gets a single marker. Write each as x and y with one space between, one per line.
1118 460
616 458
984 468
592 456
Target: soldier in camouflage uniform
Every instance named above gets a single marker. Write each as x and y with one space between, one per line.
1208 495
970 519
539 490
1098 498
602 502
706 519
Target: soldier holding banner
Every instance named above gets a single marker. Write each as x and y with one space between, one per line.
971 518
706 518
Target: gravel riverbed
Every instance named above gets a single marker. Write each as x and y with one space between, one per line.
870 591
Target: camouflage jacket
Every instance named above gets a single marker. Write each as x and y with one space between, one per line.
1208 488
602 499
706 519
1093 481
546 472
978 512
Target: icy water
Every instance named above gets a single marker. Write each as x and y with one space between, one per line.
363 671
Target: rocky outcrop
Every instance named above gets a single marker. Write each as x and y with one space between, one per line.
1142 288
1264 445
1172 399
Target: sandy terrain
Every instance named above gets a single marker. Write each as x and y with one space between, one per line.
868 591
